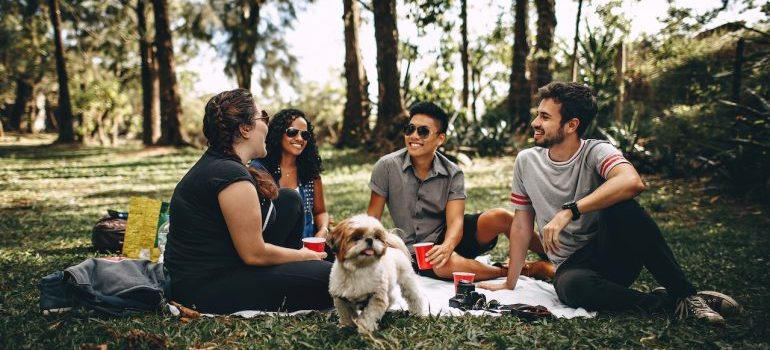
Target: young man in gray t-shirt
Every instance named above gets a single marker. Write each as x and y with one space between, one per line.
425 195
580 193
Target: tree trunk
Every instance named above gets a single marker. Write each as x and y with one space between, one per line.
150 98
390 105
573 63
171 128
737 70
355 123
64 111
620 81
519 93
546 24
244 38
464 52
150 105
23 98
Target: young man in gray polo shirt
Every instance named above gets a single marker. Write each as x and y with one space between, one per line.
425 195
580 193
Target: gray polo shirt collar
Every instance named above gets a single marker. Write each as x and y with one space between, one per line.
437 167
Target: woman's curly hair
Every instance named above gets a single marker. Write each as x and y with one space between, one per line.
223 116
309 165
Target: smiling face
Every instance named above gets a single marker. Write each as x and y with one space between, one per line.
296 144
547 125
254 135
419 147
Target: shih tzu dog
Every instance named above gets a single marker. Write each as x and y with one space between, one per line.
370 262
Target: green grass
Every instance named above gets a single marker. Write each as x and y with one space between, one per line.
50 196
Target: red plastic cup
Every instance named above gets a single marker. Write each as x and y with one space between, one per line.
463 276
314 243
420 249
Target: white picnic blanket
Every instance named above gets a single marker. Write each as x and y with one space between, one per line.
528 291
437 293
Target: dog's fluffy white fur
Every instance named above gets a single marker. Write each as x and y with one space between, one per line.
370 262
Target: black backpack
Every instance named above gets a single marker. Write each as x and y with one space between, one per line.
109 232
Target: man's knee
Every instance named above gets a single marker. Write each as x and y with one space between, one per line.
493 222
445 271
576 288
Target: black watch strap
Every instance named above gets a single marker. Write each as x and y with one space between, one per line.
572 206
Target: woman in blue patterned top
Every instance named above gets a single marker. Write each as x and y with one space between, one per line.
293 160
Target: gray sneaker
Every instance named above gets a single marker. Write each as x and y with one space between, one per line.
721 303
695 307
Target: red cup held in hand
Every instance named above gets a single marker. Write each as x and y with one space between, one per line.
420 250
463 276
314 243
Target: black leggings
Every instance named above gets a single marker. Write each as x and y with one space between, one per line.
302 285
597 276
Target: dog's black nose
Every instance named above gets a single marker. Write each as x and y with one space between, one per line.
369 241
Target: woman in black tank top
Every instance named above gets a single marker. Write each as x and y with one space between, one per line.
235 243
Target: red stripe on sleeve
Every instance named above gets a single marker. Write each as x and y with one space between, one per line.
519 199
609 160
610 163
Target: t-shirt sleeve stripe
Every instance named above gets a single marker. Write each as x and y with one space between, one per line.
520 199
610 162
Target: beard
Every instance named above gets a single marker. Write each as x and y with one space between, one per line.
548 141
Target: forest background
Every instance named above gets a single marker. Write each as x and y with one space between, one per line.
681 85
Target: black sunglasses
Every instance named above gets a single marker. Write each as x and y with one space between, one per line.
264 116
422 130
292 132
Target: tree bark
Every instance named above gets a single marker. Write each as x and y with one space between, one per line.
390 105
243 40
546 25
464 52
355 123
573 63
519 93
150 97
737 70
64 111
171 128
24 92
620 81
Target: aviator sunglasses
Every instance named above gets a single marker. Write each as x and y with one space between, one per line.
292 132
422 130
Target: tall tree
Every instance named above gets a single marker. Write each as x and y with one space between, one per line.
23 30
251 39
573 62
171 126
546 24
355 122
390 106
519 93
150 83
464 52
64 111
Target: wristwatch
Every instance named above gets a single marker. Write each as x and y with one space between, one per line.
572 206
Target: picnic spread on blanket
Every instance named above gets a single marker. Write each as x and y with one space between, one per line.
136 281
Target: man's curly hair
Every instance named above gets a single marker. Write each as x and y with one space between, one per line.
309 165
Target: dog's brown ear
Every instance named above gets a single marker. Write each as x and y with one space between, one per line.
334 239
333 244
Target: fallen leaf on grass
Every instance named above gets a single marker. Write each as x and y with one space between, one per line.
650 339
93 347
186 312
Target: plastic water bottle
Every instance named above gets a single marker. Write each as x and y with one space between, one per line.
162 237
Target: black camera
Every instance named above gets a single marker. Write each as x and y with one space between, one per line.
467 298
